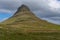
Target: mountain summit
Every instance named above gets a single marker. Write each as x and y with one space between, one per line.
23 8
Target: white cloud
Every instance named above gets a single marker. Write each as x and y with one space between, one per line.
54 5
5 11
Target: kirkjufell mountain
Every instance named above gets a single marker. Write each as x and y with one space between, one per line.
25 18
24 25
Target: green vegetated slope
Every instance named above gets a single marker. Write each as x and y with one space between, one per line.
24 25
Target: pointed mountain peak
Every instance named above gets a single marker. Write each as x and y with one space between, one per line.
23 8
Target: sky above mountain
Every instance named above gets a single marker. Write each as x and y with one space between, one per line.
45 9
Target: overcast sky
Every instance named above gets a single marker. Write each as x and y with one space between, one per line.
45 9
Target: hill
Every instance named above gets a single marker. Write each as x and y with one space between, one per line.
24 25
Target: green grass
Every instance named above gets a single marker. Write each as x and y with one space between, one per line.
11 33
18 35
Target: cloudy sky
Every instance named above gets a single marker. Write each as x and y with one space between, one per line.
48 10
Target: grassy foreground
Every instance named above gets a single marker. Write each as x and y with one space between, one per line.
18 34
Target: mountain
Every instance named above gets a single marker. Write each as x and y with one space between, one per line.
24 25
25 19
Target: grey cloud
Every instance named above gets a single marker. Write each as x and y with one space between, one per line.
52 21
11 5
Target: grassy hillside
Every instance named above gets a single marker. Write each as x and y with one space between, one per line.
24 25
